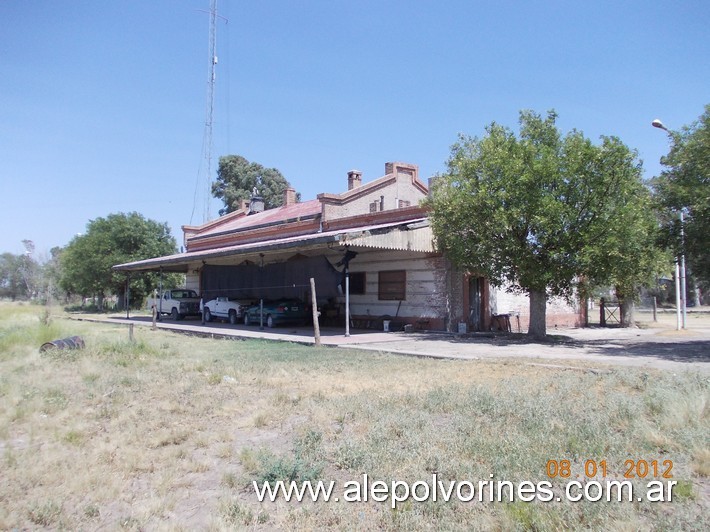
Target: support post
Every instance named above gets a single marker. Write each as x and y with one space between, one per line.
677 295
261 314
128 296
314 304
154 310
683 291
655 309
347 302
160 292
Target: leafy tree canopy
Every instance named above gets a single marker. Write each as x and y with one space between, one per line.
86 262
685 185
540 210
26 277
237 178
12 280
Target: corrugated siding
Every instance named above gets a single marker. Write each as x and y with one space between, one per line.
425 292
420 239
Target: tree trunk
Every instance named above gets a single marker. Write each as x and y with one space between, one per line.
626 310
538 314
121 300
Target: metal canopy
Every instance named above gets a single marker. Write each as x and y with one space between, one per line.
413 235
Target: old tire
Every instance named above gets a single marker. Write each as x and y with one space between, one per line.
208 314
175 314
233 317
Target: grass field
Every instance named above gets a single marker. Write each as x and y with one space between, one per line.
169 431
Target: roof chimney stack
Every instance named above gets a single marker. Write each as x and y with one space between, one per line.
289 196
354 179
256 204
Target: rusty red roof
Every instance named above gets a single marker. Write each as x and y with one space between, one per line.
287 213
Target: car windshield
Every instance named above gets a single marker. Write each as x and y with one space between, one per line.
184 293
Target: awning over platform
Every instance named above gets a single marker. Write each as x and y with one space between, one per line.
413 235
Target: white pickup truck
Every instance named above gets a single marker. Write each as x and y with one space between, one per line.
226 308
178 303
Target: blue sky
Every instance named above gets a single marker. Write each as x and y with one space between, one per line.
103 103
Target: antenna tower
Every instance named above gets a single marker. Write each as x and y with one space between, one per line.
209 120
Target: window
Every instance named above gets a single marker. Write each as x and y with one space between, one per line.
392 285
357 283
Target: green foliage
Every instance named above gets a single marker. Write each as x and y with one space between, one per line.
540 210
26 277
45 514
685 184
273 468
237 178
12 282
305 464
87 261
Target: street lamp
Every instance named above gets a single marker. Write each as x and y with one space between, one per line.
657 123
679 288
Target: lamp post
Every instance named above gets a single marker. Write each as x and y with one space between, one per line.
681 306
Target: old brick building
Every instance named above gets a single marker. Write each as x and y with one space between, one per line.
378 229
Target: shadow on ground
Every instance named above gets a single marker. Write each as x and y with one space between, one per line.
690 350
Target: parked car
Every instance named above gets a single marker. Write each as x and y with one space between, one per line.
178 303
278 311
225 308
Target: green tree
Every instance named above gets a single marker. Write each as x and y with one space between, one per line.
685 186
50 287
12 281
540 211
626 257
86 262
237 178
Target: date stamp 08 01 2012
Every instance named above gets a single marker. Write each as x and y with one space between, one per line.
632 469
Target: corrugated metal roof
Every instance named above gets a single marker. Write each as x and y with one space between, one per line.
409 237
271 216
412 235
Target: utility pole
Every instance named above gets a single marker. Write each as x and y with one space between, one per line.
681 294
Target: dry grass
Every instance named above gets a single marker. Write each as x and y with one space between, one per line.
169 431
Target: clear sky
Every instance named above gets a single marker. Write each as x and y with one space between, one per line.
103 103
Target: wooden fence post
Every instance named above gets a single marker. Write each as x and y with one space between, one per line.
314 304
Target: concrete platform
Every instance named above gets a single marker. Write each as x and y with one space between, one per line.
656 347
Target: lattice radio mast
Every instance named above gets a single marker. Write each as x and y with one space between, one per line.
207 144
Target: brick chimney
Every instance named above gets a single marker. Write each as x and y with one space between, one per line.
354 179
256 205
289 196
243 205
402 168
